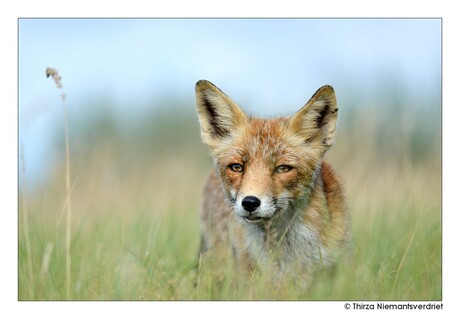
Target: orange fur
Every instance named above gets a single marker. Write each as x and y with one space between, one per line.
272 199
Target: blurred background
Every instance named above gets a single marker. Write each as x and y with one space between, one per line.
123 71
138 165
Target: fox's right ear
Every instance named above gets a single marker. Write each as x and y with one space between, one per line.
219 116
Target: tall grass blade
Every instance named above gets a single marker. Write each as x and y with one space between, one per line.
25 222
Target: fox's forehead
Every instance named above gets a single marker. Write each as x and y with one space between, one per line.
268 132
266 140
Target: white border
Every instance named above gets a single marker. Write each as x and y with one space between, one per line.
206 8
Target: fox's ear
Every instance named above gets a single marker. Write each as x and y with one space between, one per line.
219 116
316 121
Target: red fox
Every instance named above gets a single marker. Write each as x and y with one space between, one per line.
272 199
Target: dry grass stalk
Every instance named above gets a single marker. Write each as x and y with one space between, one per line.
57 79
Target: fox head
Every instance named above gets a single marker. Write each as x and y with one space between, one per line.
266 166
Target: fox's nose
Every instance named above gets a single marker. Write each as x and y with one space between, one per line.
250 203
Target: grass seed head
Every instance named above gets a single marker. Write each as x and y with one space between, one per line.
55 75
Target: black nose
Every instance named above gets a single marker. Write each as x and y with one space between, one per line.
250 203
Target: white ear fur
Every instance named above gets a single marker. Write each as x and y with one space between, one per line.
218 115
317 120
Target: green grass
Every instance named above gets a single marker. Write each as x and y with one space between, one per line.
135 230
153 258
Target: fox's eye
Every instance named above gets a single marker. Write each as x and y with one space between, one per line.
236 167
283 169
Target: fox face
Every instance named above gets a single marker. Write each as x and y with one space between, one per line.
267 167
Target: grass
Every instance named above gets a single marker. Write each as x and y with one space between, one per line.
135 231
68 199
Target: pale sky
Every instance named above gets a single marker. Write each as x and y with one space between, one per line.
269 66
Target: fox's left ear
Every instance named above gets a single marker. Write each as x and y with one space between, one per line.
316 121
